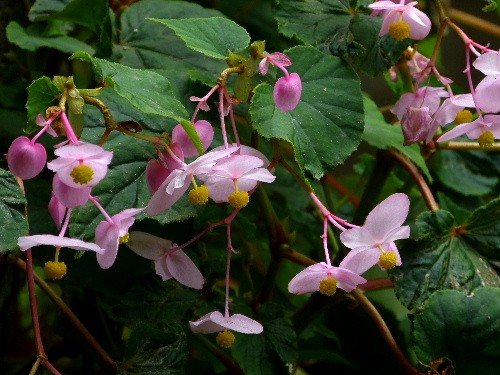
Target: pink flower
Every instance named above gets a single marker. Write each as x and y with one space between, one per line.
70 196
488 63
243 171
82 164
168 264
416 124
204 130
310 279
216 322
109 233
157 170
26 158
488 93
418 22
374 242
287 92
46 124
178 181
474 129
277 58
425 96
27 242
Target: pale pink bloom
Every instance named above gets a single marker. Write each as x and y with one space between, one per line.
415 66
176 184
216 322
382 227
277 58
419 23
27 242
287 92
488 63
70 196
57 211
46 124
108 234
488 94
168 264
157 170
75 155
425 96
203 102
245 170
474 129
26 158
205 132
308 280
416 124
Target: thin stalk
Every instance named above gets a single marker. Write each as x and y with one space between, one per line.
475 22
467 146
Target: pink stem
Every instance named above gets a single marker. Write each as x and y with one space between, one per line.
221 112
325 241
66 222
70 133
228 269
101 208
231 116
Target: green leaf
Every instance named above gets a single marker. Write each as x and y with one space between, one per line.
193 135
253 355
326 126
12 201
42 94
442 259
461 327
380 134
42 9
31 40
213 37
146 90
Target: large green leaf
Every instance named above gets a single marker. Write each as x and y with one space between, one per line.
12 201
464 328
380 134
326 126
31 40
146 90
440 259
213 37
42 94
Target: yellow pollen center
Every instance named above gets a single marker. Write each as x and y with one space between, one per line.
387 260
125 238
55 270
225 339
486 139
238 199
328 286
82 174
199 195
399 30
463 117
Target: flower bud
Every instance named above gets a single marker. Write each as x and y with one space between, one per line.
287 92
26 159
205 132
416 125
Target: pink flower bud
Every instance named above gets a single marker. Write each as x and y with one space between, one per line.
56 211
26 159
158 170
287 92
204 130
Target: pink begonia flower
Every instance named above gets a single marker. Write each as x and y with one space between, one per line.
57 211
488 63
287 92
157 170
245 170
420 24
488 94
425 96
70 196
82 164
168 264
376 237
415 66
108 235
176 184
474 129
205 132
216 322
27 242
308 280
26 158
276 58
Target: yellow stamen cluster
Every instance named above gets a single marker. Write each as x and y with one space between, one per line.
198 196
82 174
387 260
125 238
55 270
399 30
225 339
238 199
463 117
328 286
486 140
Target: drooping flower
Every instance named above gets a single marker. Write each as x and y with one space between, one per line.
216 322
325 279
110 233
374 242
81 164
485 129
402 20
287 92
205 132
168 264
26 158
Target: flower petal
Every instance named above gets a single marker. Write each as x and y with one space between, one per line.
182 268
26 242
148 246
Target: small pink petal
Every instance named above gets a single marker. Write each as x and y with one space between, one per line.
237 322
57 211
182 268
